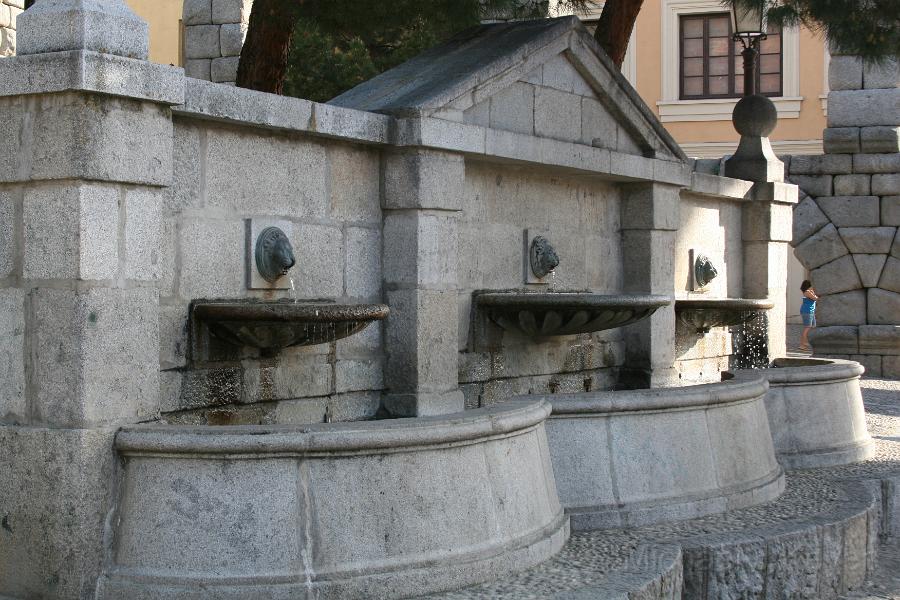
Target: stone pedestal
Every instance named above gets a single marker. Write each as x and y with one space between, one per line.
421 200
650 220
80 199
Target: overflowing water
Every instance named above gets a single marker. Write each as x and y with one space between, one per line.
750 342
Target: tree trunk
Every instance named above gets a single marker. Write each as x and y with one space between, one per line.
264 57
615 26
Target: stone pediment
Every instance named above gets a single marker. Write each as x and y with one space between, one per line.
547 78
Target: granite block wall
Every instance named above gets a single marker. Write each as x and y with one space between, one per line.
9 11
214 32
328 194
711 227
846 225
580 218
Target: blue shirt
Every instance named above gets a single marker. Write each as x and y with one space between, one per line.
809 306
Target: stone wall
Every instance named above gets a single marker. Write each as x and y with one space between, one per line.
580 218
711 227
214 32
328 194
9 10
846 227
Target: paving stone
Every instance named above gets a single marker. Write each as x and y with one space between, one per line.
808 218
869 267
852 185
851 211
883 305
837 140
868 240
822 247
890 276
846 308
839 275
880 139
886 184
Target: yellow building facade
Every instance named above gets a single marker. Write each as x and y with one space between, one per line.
654 65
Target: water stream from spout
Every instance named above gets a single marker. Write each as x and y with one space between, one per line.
293 290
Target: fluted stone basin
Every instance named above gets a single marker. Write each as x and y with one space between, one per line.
566 313
273 325
703 314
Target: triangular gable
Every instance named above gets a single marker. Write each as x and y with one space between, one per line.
493 75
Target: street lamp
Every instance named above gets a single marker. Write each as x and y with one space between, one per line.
754 115
748 24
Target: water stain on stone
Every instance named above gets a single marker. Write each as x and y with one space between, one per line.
92 317
5 523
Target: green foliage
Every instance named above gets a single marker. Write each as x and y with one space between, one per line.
868 28
338 44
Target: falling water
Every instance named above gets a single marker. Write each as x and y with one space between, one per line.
293 290
749 341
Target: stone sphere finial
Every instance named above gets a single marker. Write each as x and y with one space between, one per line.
754 116
105 26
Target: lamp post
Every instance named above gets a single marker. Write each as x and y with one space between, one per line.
754 116
748 25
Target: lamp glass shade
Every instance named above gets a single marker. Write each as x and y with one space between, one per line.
747 21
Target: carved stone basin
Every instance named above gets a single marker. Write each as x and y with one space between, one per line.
702 314
273 325
566 313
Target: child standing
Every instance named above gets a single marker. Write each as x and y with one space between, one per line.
807 311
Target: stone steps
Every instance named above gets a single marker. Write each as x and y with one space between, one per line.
818 541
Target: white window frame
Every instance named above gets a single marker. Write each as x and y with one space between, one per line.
672 108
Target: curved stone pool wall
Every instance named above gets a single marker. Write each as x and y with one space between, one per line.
354 510
629 458
816 412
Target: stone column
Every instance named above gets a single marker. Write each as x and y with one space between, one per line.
650 219
79 205
421 199
214 32
847 232
9 12
766 233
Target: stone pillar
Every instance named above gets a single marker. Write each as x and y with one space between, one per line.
9 12
214 32
846 230
650 219
421 198
80 203
766 232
